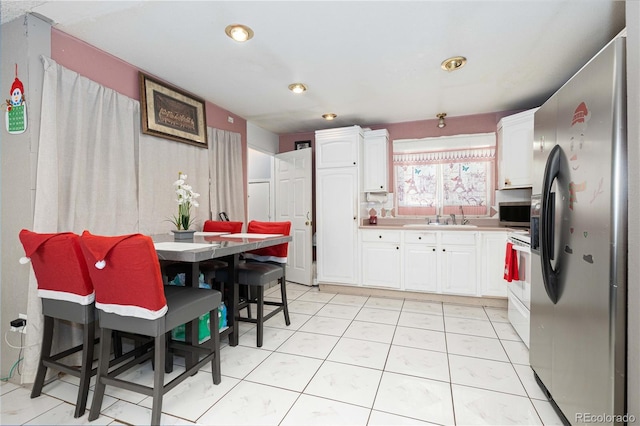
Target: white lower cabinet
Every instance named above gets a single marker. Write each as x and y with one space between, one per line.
464 263
420 254
381 260
458 272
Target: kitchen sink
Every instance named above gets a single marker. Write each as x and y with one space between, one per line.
437 225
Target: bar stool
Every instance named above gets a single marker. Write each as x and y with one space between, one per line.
130 297
263 267
67 293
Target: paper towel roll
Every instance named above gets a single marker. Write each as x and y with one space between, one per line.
376 197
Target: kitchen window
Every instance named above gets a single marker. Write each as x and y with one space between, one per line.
441 181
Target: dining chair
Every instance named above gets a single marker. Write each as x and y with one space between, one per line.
263 267
130 297
67 293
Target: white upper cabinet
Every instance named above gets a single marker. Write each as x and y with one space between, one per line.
515 150
375 161
338 147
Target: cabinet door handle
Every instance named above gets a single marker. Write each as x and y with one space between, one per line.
434 249
379 236
443 250
397 248
419 238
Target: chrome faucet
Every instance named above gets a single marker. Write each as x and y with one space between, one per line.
453 219
438 219
464 221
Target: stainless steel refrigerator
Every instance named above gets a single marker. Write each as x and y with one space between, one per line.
579 243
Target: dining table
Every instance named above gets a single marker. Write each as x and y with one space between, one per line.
214 245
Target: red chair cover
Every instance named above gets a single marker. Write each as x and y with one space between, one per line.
126 274
274 253
222 226
59 266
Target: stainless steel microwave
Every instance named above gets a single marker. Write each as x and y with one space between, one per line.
515 214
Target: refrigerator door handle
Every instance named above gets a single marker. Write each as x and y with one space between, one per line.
547 219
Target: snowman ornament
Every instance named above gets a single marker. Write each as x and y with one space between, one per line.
16 114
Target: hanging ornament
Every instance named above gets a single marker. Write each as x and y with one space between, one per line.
16 115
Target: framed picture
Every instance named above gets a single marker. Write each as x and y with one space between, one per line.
171 113
303 144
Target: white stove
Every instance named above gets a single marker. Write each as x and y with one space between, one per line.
519 292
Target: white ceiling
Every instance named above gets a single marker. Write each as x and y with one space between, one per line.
370 62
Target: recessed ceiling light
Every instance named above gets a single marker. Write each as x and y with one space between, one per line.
330 116
297 87
454 63
238 32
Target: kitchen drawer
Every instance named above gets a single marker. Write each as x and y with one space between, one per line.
419 237
381 235
458 237
519 317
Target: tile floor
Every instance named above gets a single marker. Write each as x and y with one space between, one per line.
344 360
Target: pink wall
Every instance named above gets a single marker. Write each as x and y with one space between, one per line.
122 77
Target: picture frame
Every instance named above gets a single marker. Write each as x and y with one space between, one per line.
303 144
171 113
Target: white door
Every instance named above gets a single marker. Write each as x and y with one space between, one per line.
260 201
293 203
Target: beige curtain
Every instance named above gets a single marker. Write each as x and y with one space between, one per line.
86 173
225 172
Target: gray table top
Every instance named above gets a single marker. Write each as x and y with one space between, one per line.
210 247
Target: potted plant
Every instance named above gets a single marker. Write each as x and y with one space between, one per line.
186 198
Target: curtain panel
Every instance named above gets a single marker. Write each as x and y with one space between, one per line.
97 171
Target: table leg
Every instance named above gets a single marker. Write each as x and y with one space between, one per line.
232 307
192 329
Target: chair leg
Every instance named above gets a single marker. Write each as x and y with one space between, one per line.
158 379
85 369
215 342
103 370
285 306
47 340
117 344
260 309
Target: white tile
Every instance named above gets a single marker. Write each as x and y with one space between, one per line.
133 414
239 361
360 352
345 383
309 344
303 307
193 397
272 337
250 404
479 347
426 321
384 303
292 293
415 397
420 339
418 306
517 351
464 311
483 407
286 371
339 311
468 326
484 373
69 392
529 381
505 331
297 320
547 413
17 406
497 314
314 411
382 333
381 316
317 296
349 299
378 418
63 415
7 387
418 362
326 325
